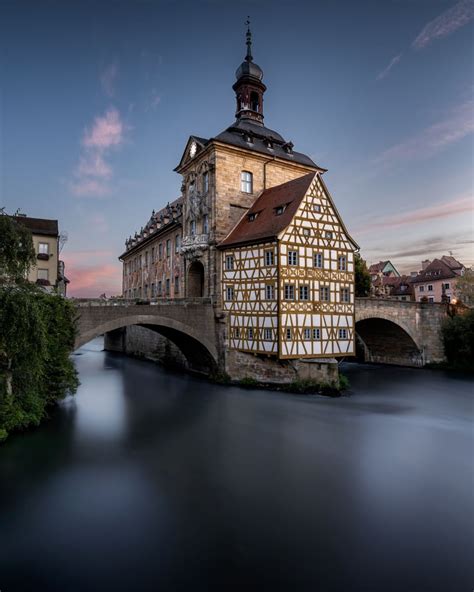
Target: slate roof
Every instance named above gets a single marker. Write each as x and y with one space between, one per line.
238 133
451 262
39 225
436 270
267 224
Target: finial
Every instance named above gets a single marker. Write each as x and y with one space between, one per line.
248 57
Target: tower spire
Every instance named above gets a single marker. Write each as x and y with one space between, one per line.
248 57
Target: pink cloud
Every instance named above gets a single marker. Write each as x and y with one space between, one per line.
108 79
86 187
106 132
92 281
445 24
460 205
393 62
456 125
93 165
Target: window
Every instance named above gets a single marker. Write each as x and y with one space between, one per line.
345 295
160 251
328 234
168 287
177 243
306 232
289 292
229 262
316 333
153 254
318 260
307 334
43 274
324 294
237 332
43 248
431 299
176 284
246 182
145 291
250 334
342 333
229 293
168 247
269 258
153 290
146 259
421 288
292 257
252 216
430 287
191 187
205 224
288 333
304 292
279 210
316 208
270 292
268 334
446 286
342 263
205 182
192 227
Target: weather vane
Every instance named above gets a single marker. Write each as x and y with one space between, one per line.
249 57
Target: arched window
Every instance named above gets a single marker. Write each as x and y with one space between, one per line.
205 182
255 102
246 182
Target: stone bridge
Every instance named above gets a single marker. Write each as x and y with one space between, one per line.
388 331
190 324
398 332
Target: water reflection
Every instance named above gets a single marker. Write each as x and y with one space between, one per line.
153 480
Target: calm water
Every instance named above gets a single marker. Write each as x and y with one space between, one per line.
151 480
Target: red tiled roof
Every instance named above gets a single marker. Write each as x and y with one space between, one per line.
267 224
436 270
376 267
451 262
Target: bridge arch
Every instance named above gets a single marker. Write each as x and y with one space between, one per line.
383 339
199 352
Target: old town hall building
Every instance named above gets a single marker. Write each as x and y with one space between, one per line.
256 230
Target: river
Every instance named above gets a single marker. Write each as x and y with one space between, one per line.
149 480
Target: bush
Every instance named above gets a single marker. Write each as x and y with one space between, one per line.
458 340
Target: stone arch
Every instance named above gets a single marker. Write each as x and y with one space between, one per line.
200 353
382 339
195 280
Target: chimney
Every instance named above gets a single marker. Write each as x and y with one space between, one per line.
424 264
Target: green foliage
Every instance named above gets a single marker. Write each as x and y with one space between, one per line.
220 378
344 383
248 382
17 254
458 340
362 277
465 288
36 336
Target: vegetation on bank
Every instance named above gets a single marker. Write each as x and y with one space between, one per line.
458 341
37 332
362 277
300 387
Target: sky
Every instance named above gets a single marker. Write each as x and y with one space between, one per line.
98 99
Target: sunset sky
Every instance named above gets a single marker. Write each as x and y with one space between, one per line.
97 100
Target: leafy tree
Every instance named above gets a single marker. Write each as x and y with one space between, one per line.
458 339
37 332
465 288
17 254
362 277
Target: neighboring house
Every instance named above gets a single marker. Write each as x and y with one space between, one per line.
379 273
393 287
383 268
49 270
437 280
251 201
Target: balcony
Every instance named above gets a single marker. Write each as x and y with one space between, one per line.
195 243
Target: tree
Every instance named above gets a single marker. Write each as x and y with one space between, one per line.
362 277
37 333
458 340
17 254
465 288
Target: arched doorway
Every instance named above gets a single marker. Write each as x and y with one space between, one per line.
382 341
195 287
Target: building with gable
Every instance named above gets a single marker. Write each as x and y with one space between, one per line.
259 234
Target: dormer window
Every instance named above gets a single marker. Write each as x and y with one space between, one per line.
252 216
248 138
288 147
269 144
280 209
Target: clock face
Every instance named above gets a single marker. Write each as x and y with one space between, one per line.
192 149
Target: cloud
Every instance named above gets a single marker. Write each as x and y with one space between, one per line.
92 281
93 174
454 207
108 78
445 24
393 62
455 125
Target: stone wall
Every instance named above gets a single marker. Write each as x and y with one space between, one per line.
145 343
